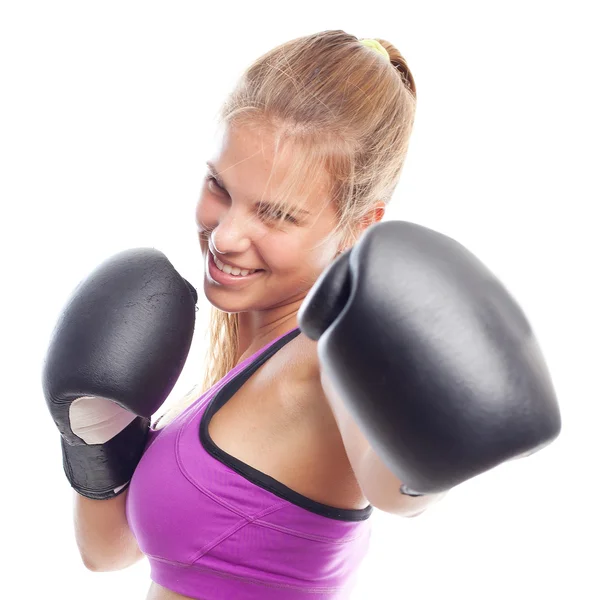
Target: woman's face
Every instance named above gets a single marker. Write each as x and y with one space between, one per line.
288 255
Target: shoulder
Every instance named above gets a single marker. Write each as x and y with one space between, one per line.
302 360
298 359
294 374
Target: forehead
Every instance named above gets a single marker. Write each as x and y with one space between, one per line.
254 162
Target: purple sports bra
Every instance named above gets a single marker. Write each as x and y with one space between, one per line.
214 528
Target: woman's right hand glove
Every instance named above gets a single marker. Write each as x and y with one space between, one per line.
116 353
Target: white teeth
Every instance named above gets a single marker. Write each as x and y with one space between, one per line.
232 270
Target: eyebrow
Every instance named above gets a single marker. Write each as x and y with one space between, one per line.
213 172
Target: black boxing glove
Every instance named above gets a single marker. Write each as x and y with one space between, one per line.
116 353
431 355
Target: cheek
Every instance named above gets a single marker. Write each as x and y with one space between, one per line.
322 256
281 255
308 258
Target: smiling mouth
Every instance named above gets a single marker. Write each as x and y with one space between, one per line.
231 273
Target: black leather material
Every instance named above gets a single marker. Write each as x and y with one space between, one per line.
97 470
327 301
433 356
124 335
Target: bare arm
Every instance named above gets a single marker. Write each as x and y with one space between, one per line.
380 486
104 539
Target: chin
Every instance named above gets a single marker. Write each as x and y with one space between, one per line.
224 299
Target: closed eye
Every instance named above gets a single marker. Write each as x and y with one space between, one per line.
264 209
276 215
212 181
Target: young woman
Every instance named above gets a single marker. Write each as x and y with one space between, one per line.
259 485
313 141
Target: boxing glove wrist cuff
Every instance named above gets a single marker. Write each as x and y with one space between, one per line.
406 491
102 471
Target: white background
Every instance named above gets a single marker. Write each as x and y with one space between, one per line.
106 121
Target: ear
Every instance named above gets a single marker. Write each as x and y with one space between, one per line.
374 215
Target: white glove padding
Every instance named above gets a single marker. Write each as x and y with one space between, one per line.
96 420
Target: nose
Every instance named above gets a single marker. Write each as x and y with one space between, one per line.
231 235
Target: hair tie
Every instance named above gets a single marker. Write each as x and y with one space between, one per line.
375 45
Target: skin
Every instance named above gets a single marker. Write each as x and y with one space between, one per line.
293 255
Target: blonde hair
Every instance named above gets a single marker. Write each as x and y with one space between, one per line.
347 110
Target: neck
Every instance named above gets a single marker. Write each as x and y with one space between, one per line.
258 328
